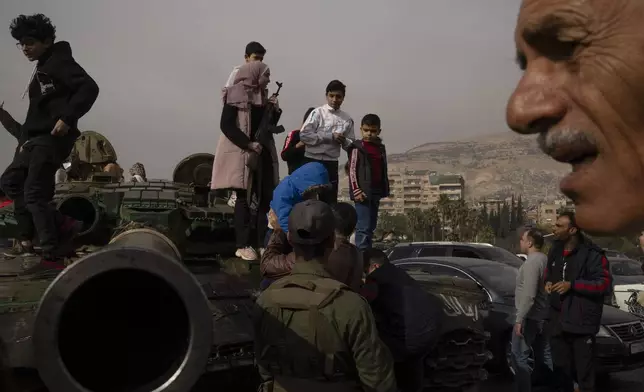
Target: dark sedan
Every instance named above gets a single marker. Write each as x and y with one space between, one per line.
620 341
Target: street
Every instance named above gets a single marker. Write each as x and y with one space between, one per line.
619 382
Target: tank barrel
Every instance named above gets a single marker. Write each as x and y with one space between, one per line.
129 317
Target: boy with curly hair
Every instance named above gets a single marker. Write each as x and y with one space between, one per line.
60 93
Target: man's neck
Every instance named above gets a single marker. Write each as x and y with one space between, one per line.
571 244
533 251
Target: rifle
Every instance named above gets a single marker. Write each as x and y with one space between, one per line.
266 130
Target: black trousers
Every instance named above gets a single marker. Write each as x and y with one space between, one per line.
332 168
29 181
573 359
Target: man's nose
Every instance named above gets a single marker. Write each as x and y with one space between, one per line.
535 105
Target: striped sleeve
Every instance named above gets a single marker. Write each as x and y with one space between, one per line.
353 172
598 281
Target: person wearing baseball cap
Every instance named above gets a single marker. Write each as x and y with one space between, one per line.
310 301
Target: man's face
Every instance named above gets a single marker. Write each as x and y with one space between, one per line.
582 91
335 99
524 243
33 48
254 57
563 230
369 132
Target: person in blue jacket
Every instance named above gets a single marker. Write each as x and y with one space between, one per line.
310 180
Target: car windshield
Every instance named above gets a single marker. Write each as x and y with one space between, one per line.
503 256
626 268
498 277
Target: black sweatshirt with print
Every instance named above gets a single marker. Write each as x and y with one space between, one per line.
60 90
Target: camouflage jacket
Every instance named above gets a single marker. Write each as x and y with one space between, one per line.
313 333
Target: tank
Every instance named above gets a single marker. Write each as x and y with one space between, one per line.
173 220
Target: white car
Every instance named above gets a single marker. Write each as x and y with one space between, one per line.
628 285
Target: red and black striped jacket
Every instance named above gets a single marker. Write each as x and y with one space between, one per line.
294 157
360 171
587 269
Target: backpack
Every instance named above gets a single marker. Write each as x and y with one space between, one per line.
295 339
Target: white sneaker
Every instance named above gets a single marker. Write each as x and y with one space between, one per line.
232 199
247 254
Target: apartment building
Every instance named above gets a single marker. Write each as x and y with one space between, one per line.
547 214
415 189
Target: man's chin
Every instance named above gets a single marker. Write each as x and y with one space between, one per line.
606 220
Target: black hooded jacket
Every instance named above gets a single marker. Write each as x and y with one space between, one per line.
587 269
408 317
60 90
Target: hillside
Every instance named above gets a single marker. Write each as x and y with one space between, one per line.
494 165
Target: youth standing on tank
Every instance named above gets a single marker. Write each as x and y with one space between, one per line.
326 130
368 180
241 116
312 333
60 93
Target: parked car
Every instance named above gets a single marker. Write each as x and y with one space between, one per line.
620 341
628 285
474 250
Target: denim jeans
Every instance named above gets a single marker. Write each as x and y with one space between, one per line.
367 212
533 341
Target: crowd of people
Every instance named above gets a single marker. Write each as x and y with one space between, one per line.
315 329
324 133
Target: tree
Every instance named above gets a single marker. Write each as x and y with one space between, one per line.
520 213
433 219
417 223
513 215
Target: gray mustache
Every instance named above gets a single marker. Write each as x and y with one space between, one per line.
551 140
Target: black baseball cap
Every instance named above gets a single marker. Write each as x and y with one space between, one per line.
311 222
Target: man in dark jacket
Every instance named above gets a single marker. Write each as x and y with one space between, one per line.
60 92
577 279
294 148
408 318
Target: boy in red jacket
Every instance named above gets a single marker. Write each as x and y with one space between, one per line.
368 181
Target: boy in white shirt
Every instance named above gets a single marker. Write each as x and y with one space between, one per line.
326 130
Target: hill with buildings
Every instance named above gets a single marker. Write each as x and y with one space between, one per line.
493 166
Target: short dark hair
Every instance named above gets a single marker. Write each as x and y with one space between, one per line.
536 236
308 113
255 47
371 120
346 218
317 192
336 85
310 252
36 26
571 217
374 256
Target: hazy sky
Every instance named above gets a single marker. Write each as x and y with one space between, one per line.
433 70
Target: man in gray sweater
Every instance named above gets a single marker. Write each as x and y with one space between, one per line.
531 303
